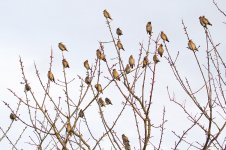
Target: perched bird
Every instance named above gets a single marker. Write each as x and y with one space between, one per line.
27 87
127 69
81 114
65 63
145 61
88 80
204 21
125 139
155 59
86 64
126 142
160 50
50 76
164 37
108 101
201 21
62 46
40 147
99 88
119 32
115 74
107 14
69 128
12 116
192 46
98 53
131 61
101 102
149 28
119 45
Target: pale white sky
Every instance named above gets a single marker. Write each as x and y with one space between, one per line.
29 28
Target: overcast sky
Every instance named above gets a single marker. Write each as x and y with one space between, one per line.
30 28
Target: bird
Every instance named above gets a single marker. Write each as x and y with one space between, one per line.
108 101
98 53
145 61
107 14
160 50
115 74
69 128
155 59
128 69
192 46
51 76
88 80
131 61
12 116
126 142
101 102
149 28
81 114
119 45
86 64
62 46
27 87
119 32
164 37
204 21
65 63
99 88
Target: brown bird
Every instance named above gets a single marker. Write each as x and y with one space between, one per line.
65 63
131 61
115 74
27 87
145 61
88 80
99 88
119 32
101 102
98 53
62 46
12 116
164 37
126 142
51 76
107 14
108 101
204 21
160 50
149 28
119 45
86 64
192 46
155 59
201 21
127 69
69 128
81 114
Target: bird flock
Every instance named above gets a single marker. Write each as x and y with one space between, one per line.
131 63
